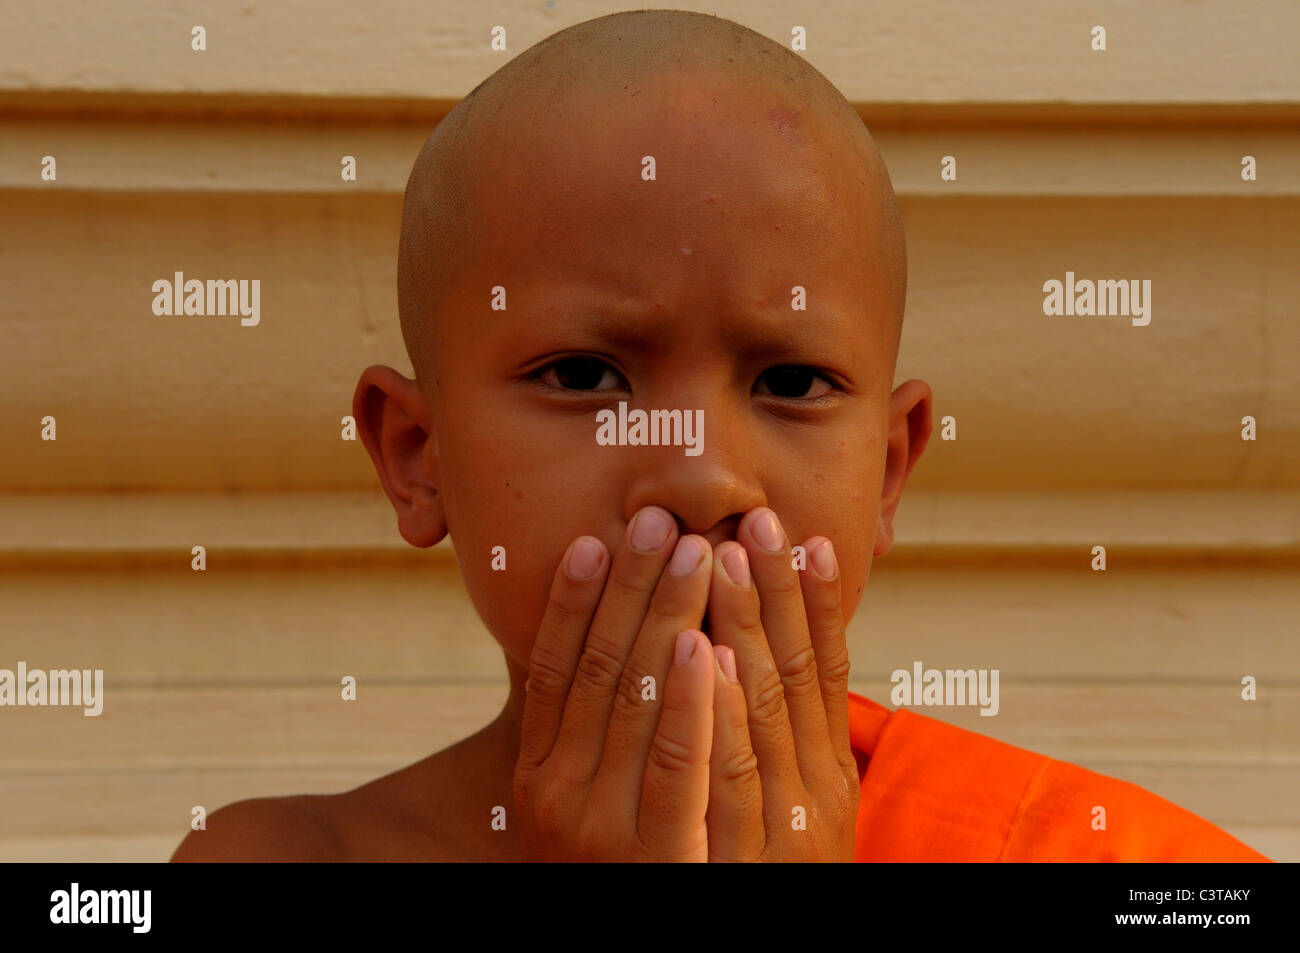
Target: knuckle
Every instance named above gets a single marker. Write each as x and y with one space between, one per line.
747 618
740 764
599 667
548 676
671 755
628 701
769 699
799 673
824 615
629 687
835 669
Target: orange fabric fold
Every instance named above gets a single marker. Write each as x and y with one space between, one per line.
935 792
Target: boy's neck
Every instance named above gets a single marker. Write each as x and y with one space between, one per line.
479 775
441 808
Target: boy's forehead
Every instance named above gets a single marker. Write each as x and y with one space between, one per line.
685 167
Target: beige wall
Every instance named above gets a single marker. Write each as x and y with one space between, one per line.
1072 432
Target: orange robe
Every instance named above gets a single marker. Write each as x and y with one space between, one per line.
935 792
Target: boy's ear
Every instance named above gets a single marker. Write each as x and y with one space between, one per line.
395 421
909 432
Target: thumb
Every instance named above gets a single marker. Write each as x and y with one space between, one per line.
675 790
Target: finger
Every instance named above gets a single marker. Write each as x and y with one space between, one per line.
671 821
735 622
735 816
780 597
678 603
822 603
575 592
633 576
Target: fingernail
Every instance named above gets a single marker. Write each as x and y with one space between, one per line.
767 531
686 644
823 560
687 556
737 565
650 529
727 662
584 558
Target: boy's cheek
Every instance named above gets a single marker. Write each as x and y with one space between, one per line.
511 609
510 584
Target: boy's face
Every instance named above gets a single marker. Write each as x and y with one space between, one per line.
672 293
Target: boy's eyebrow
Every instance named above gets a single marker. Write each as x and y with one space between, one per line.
768 331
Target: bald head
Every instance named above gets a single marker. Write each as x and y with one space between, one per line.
603 61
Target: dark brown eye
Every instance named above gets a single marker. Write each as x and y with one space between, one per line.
792 381
577 373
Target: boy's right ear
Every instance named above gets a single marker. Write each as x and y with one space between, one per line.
395 421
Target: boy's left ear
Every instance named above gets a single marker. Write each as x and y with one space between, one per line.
909 432
395 421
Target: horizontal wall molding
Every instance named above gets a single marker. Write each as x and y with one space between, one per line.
82 105
265 727
1158 51
78 529
296 148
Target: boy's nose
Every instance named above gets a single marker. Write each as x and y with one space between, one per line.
707 495
720 532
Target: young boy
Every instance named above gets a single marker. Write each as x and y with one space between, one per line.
664 215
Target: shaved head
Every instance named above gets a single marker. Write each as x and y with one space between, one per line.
603 64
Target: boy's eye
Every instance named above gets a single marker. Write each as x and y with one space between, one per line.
792 381
577 373
789 381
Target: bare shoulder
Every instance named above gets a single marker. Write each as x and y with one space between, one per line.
298 828
418 813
